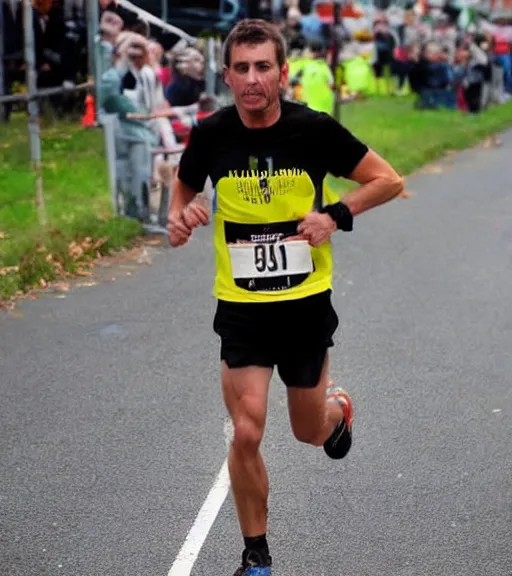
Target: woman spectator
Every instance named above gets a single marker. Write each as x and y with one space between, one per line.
154 95
187 82
476 75
432 78
385 44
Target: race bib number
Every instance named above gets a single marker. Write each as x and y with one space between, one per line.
261 258
271 260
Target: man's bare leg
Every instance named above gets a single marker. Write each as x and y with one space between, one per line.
313 417
245 393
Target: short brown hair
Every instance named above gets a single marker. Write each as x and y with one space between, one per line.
254 31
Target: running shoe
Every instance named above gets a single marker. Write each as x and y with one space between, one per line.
340 441
254 565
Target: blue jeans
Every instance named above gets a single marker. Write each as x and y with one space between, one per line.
505 61
438 98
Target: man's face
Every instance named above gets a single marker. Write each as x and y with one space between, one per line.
254 76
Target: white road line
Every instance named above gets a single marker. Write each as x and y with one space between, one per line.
194 541
203 523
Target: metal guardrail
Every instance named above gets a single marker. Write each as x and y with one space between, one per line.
33 95
157 223
44 93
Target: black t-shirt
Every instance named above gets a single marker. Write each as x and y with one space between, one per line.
302 139
266 180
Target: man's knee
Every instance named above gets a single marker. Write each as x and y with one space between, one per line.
247 436
245 393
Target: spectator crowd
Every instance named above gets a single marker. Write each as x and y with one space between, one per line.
447 56
155 87
155 95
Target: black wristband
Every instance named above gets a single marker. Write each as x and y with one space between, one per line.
341 214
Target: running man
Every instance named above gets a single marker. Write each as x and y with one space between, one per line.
267 159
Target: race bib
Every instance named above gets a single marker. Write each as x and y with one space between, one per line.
270 260
261 258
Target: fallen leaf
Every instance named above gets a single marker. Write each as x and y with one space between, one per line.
62 286
86 244
100 242
43 283
432 169
492 142
144 257
8 270
3 235
405 194
154 242
75 251
82 272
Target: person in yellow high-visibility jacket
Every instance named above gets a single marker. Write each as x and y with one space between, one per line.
317 81
313 84
295 71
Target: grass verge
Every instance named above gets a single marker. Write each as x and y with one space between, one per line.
410 138
81 225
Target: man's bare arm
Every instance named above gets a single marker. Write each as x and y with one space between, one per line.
182 196
184 214
378 183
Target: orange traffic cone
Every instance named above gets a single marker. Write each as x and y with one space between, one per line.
89 118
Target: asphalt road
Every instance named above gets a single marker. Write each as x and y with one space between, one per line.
112 422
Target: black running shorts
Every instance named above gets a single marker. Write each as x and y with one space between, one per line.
293 335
